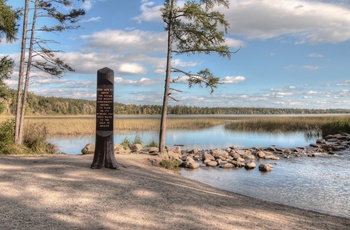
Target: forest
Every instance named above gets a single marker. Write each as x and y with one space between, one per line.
41 106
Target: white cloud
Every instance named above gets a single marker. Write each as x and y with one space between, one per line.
86 5
93 19
127 41
232 80
315 55
131 68
233 42
312 92
149 12
140 82
310 67
178 63
312 22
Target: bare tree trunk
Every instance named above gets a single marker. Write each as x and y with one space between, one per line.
18 127
162 130
29 62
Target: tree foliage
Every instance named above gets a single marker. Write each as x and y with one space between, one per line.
8 21
40 105
40 57
193 28
8 29
44 58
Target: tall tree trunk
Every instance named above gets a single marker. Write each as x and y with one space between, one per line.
29 63
18 127
162 130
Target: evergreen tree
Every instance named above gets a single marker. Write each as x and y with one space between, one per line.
8 29
192 28
45 58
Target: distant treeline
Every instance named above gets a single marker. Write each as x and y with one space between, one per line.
39 105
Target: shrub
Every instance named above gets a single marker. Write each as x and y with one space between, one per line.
7 133
35 138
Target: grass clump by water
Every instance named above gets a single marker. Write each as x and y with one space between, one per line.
126 143
170 164
153 143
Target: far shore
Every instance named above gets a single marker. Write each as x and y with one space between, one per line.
62 192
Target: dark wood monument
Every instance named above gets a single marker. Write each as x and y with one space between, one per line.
104 145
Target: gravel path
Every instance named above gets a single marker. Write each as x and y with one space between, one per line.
62 192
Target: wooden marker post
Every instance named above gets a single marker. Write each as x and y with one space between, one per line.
104 145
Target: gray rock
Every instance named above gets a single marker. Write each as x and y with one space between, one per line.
265 167
191 164
217 153
211 163
136 148
320 141
272 157
250 165
227 166
207 156
261 154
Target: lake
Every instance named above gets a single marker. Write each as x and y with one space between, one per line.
320 184
210 138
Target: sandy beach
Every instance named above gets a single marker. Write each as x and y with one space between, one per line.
62 192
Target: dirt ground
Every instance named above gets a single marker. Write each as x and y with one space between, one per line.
62 192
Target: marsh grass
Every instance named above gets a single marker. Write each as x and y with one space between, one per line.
81 125
284 123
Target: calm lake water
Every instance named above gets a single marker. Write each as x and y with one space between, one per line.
320 184
216 137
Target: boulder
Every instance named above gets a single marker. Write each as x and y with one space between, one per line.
265 167
191 163
261 154
218 153
250 165
227 166
320 141
211 163
177 149
238 163
235 155
194 151
136 147
272 157
208 157
174 155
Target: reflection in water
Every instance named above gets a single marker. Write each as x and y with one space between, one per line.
320 184
211 138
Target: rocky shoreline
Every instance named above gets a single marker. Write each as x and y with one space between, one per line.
232 157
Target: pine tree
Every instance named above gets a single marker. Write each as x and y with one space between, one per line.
193 28
45 58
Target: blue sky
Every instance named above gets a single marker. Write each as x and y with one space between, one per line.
294 54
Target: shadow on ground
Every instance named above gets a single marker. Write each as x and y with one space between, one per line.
62 192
